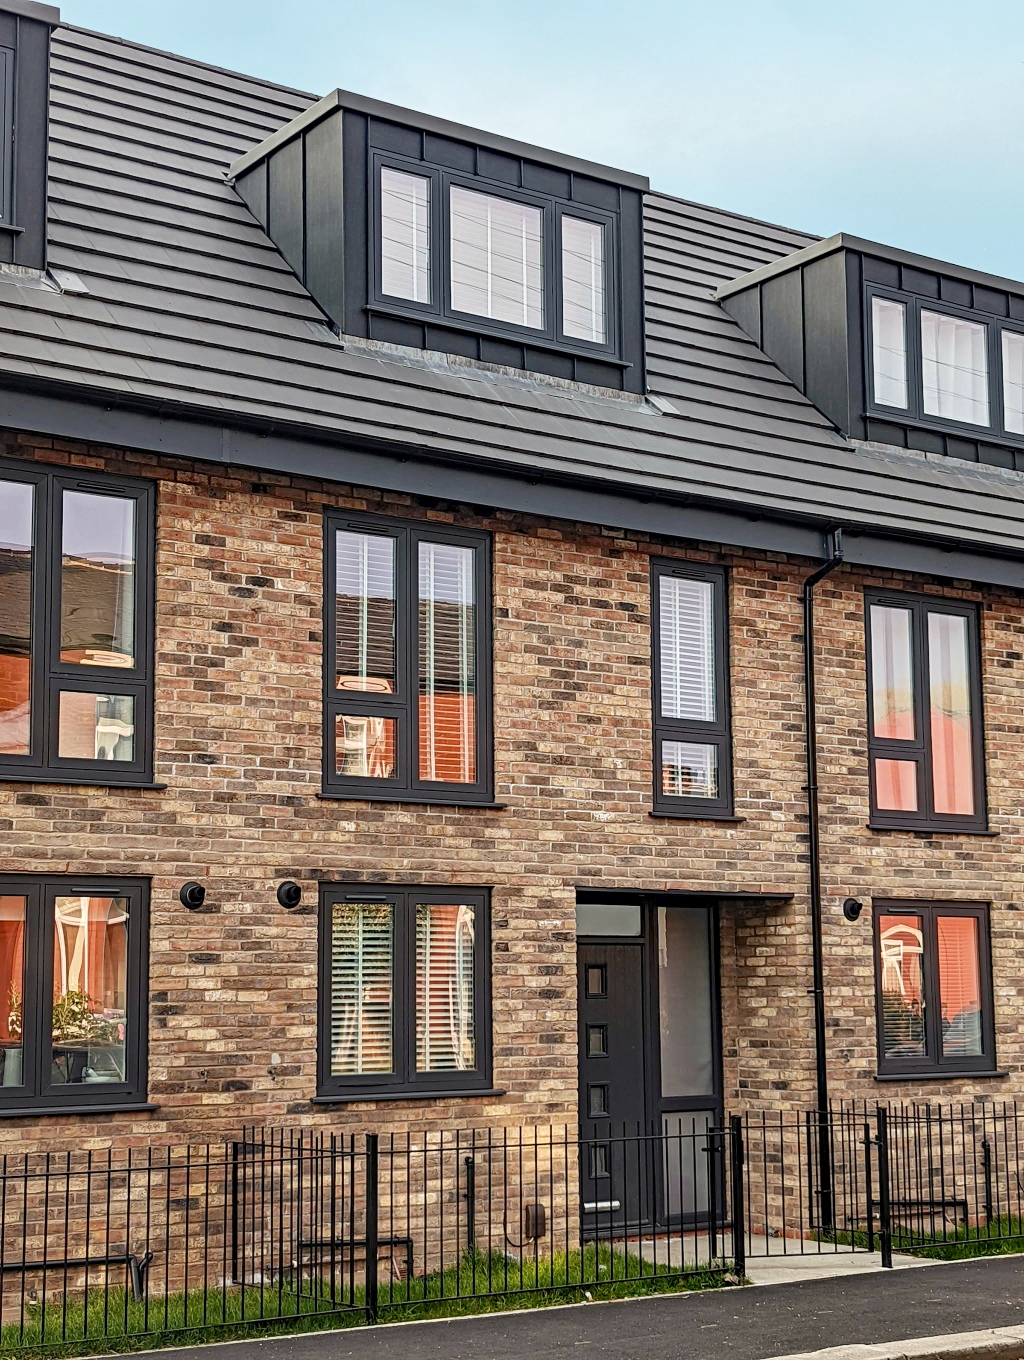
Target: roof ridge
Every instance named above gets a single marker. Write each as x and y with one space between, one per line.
186 61
728 212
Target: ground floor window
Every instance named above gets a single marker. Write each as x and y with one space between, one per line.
72 992
404 991
934 988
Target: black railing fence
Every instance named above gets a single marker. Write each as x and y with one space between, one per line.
293 1229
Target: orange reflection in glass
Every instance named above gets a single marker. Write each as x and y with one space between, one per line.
901 948
896 785
950 714
960 985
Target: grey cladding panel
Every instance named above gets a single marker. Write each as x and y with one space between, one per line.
826 358
745 308
325 275
284 202
782 324
252 188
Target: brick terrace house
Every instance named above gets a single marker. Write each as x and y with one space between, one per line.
408 545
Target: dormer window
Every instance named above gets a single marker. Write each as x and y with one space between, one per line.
943 366
515 264
418 233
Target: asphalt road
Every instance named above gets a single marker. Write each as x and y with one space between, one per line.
748 1323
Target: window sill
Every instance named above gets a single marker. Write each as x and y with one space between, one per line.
411 799
369 1098
931 830
941 1076
116 1107
522 336
80 778
698 817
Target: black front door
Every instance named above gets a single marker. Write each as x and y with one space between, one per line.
650 1059
612 1085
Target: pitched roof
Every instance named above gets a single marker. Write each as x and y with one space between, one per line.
190 307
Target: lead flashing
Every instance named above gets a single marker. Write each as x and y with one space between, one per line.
831 244
441 127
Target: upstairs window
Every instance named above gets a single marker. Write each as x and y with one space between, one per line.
503 261
1013 381
75 628
407 662
925 737
692 754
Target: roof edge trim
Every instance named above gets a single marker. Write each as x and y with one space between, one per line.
442 127
102 419
842 241
32 9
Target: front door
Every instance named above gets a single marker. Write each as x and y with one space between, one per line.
612 1087
649 1066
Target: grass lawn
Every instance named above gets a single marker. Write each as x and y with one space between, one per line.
1001 1237
111 1320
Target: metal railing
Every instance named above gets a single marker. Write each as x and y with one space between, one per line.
293 1230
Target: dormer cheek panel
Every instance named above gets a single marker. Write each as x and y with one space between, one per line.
420 233
895 348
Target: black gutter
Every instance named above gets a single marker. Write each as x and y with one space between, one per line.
814 848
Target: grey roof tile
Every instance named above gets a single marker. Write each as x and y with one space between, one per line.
189 305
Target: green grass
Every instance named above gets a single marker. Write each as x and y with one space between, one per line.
1002 1237
964 1242
112 1320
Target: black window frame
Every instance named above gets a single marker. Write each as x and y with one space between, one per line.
403 705
7 83
439 310
919 750
914 413
48 674
934 1064
43 1096
405 1080
717 732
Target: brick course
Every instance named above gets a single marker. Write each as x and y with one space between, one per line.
238 744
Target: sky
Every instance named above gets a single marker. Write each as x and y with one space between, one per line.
897 120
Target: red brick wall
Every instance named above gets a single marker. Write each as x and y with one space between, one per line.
238 744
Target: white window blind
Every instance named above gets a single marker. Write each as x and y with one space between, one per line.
447 663
889 351
497 264
405 235
1013 381
686 626
365 612
689 769
362 1000
583 301
954 368
445 1037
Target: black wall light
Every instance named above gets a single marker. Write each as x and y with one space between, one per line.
192 895
852 908
289 894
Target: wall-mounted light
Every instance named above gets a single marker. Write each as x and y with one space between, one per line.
289 894
192 895
852 908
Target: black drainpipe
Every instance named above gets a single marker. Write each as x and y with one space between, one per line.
814 838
